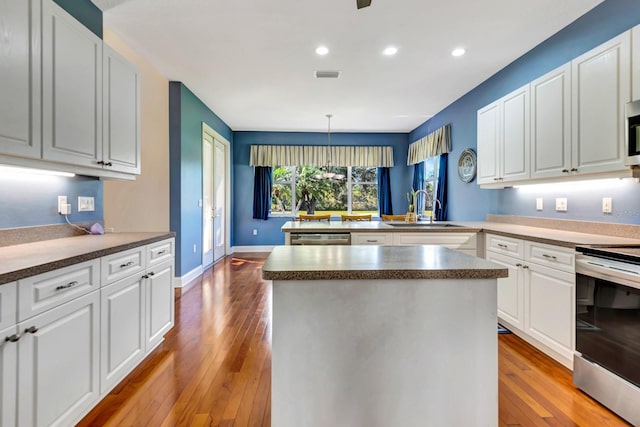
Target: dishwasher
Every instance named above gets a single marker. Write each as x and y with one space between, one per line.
320 239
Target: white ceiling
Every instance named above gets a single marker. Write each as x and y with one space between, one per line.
253 61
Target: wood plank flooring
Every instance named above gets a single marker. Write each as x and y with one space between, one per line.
214 367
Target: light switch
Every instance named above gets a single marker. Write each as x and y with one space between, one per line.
539 203
561 204
607 203
86 204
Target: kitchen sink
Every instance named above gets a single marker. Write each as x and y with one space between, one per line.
421 225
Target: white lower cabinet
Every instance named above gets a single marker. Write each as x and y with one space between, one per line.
159 303
463 242
122 312
8 376
371 238
537 300
58 375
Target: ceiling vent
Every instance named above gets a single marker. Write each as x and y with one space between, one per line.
327 74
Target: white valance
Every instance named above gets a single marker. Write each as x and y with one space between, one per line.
436 143
319 155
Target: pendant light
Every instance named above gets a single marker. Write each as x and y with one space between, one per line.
327 169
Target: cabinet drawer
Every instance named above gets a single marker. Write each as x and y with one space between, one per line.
8 305
371 239
448 240
40 293
505 245
123 264
160 252
551 256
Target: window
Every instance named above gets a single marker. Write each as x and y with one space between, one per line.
431 179
296 188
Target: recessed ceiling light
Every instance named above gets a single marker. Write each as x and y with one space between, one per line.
391 50
322 50
458 52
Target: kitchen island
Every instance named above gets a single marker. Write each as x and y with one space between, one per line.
382 335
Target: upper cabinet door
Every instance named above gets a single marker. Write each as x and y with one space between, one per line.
72 89
601 82
635 65
489 143
20 72
121 141
515 135
551 124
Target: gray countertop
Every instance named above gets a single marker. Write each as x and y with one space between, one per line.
550 236
20 261
375 262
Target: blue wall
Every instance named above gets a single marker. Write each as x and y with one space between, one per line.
269 231
186 114
30 200
467 201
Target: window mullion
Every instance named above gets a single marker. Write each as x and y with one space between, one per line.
294 202
349 190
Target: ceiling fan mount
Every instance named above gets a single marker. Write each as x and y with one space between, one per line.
363 3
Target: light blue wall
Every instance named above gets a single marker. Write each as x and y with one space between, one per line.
467 201
30 200
269 230
186 115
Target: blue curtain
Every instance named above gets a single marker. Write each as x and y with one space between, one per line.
418 182
441 189
384 191
261 192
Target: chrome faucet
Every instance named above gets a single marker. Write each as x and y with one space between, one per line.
433 202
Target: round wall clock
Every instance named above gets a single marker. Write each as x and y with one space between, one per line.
467 165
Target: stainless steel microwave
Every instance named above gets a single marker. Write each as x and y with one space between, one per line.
633 133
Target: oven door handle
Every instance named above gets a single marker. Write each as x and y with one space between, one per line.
600 269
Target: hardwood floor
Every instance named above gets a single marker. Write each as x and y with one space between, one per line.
214 367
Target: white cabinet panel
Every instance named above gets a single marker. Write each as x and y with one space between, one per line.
551 256
549 310
159 252
8 305
460 241
505 245
551 124
123 264
515 135
121 330
40 293
371 238
72 89
159 303
121 124
8 377
635 63
489 143
510 289
601 87
58 373
20 82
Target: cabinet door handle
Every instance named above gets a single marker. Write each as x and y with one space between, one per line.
372 241
108 164
500 245
31 330
525 266
574 169
495 179
565 170
145 277
518 265
100 162
162 252
151 273
549 256
12 338
67 286
129 264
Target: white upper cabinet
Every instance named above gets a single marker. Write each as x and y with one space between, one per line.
489 143
71 89
121 140
503 139
600 89
635 63
19 89
551 124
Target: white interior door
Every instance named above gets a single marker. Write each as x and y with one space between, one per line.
219 199
207 199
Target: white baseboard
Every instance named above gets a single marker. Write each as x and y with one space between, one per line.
252 249
183 282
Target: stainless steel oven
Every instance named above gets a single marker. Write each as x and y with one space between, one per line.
632 132
607 360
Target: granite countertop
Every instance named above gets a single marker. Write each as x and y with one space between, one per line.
551 236
376 262
20 261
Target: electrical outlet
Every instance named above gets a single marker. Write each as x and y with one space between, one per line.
62 205
561 204
607 204
255 232
539 203
86 204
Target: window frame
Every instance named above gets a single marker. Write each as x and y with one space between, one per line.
349 186
434 180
